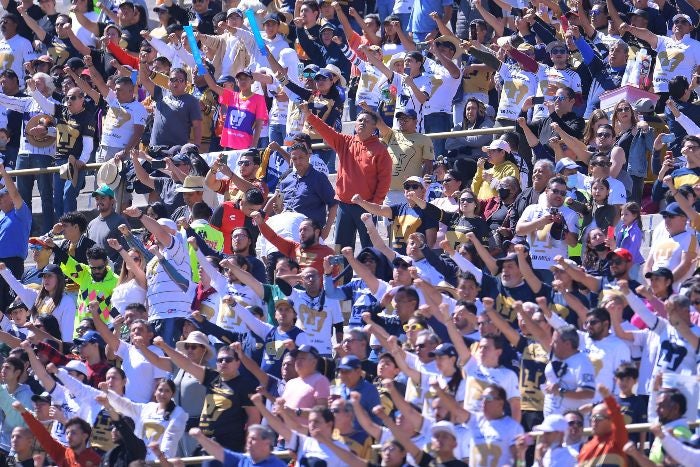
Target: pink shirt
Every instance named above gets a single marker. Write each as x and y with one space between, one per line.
302 393
241 114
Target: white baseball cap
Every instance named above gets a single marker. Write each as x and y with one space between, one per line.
552 423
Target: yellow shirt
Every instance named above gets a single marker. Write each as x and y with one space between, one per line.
407 151
483 189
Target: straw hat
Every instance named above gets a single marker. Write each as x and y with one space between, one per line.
454 41
68 171
43 141
196 337
336 71
109 174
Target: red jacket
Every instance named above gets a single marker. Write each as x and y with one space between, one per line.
365 166
306 257
63 456
607 450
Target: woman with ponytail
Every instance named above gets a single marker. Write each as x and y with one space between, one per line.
162 421
450 377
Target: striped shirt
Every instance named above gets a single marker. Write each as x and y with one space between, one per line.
165 298
29 108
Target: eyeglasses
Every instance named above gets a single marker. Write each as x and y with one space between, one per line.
195 347
413 327
73 97
558 192
604 135
176 80
466 200
389 448
624 109
558 51
243 163
447 180
224 360
411 186
575 423
489 398
600 164
617 262
560 98
422 345
599 416
680 21
36 247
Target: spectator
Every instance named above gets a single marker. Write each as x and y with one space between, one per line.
610 433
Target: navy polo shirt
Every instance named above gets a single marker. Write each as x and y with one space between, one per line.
15 227
310 195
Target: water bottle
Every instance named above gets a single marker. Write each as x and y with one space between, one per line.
644 68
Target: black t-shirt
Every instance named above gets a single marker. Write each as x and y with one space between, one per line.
223 415
58 49
506 296
130 34
427 460
167 187
71 128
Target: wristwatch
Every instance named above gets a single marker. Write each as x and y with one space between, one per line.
562 391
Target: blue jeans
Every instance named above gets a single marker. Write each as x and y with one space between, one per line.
348 223
438 122
25 185
277 133
170 329
65 195
327 156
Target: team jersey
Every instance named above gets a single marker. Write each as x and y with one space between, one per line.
368 87
547 75
14 53
408 151
667 253
675 58
479 377
406 99
227 317
70 129
444 88
573 373
606 355
119 122
491 440
477 81
543 246
532 365
316 317
241 114
518 85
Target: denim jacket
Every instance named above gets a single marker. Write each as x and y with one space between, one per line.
640 149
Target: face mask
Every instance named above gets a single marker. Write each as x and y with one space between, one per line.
600 248
571 180
503 193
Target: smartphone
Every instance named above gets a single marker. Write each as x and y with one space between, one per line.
155 165
611 234
538 100
336 260
668 138
223 158
472 32
516 12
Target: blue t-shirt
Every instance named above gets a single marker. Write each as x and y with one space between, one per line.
420 17
15 227
311 195
233 459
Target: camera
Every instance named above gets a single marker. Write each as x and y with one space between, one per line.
553 211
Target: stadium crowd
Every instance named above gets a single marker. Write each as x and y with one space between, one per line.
506 293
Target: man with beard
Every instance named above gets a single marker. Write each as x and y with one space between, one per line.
14 49
233 214
308 252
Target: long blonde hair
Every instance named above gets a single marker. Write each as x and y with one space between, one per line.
124 273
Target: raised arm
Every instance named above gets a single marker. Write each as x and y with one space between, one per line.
401 435
463 351
643 34
528 274
376 62
161 232
275 423
484 254
38 368
208 444
376 238
26 294
91 26
592 283
501 324
363 418
97 79
180 360
145 78
360 269
30 22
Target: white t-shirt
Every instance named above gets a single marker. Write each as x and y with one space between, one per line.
118 126
479 377
85 36
547 75
165 298
317 323
140 373
306 447
518 85
543 248
407 100
491 440
13 53
617 194
667 253
444 88
674 58
606 355
368 87
570 374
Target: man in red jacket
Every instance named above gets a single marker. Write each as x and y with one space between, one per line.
364 168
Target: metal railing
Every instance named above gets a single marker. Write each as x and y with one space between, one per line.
448 134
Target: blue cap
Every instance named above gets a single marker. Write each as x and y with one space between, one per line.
225 79
325 73
445 349
50 269
91 337
328 26
410 113
673 209
349 362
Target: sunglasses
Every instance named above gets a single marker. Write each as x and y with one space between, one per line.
421 346
559 98
413 327
624 109
604 135
176 80
411 186
36 247
575 423
320 78
243 163
558 192
680 21
601 164
466 200
73 97
224 360
447 180
308 74
617 262
194 347
98 268
599 417
558 51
